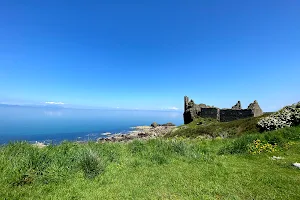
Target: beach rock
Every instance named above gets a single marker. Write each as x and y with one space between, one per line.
168 124
154 125
142 135
39 144
140 132
141 128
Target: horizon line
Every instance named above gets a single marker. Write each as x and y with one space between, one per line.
89 108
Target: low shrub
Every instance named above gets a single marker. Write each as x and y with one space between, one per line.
178 147
239 145
277 138
257 147
91 164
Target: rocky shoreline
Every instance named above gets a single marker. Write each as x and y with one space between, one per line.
140 132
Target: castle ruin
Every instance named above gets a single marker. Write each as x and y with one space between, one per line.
192 110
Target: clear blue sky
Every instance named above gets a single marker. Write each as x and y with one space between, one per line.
149 54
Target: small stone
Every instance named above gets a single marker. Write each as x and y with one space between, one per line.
168 124
296 165
39 144
276 158
154 124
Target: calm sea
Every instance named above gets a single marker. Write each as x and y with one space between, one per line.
53 125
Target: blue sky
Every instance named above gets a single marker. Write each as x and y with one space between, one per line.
149 54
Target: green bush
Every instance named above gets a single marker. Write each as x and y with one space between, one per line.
279 137
239 145
257 147
91 164
275 139
178 147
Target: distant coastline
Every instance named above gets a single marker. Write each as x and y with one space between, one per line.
75 107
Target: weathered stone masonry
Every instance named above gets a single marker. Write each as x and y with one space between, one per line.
192 111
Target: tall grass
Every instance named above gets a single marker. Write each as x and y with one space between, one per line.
91 164
279 137
156 169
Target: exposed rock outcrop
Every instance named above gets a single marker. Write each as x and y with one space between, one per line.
286 117
154 124
168 124
140 132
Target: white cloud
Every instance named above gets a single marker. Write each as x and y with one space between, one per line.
171 108
54 103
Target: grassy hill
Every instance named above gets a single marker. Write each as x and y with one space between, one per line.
213 128
165 168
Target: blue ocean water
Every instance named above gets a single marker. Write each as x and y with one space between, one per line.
54 125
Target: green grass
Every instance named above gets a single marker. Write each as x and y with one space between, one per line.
213 128
174 168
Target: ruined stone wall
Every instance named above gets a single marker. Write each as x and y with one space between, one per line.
186 101
210 113
257 111
192 111
227 115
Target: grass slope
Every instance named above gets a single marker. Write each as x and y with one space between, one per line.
214 128
154 169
